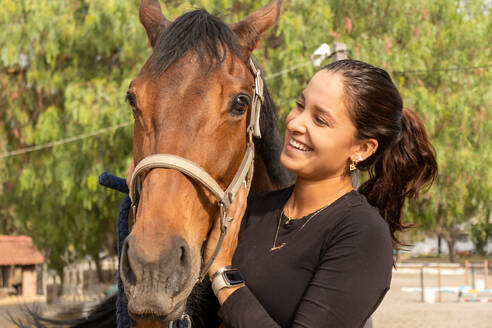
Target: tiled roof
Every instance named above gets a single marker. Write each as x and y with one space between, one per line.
19 250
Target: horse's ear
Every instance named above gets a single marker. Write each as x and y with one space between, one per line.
152 19
251 30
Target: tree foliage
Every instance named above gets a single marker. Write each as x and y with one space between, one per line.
65 67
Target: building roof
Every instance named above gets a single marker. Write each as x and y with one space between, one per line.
19 250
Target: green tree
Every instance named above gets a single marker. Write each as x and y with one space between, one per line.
65 67
64 70
480 233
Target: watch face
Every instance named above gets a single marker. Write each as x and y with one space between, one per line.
233 277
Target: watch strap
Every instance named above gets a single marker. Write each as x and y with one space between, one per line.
220 281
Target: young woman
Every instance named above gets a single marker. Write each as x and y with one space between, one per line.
319 253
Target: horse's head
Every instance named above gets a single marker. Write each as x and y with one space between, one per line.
191 99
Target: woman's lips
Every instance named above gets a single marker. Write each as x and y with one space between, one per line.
299 145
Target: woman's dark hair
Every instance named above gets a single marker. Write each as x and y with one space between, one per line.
405 160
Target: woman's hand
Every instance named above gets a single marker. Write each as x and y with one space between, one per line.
224 257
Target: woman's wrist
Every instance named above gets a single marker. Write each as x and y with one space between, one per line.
216 267
224 293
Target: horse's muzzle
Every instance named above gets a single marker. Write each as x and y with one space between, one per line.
153 286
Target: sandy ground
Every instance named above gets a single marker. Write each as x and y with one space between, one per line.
16 306
399 309
405 310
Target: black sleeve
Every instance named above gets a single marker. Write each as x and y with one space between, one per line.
352 278
243 310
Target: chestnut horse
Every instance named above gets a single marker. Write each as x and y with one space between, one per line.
192 99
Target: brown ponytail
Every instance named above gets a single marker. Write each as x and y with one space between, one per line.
404 162
407 165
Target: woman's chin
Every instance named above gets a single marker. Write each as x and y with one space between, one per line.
290 163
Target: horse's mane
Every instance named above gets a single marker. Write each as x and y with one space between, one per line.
210 39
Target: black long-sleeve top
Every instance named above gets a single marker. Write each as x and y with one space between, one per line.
333 272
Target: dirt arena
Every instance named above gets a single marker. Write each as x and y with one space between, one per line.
401 309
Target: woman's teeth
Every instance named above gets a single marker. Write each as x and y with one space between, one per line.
299 146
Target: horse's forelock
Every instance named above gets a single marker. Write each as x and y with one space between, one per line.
206 35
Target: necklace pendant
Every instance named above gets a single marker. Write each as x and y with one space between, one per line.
276 248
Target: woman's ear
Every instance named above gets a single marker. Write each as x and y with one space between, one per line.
364 149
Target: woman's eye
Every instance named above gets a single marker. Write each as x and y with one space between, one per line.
299 105
239 104
320 121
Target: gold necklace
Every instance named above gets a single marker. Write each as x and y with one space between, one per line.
275 247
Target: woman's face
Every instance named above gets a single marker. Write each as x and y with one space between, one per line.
319 136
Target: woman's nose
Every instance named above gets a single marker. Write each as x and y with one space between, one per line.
296 121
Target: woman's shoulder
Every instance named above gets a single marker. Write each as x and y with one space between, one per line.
358 209
361 218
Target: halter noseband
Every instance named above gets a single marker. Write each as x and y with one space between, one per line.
187 167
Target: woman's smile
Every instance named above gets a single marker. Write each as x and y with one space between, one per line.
299 146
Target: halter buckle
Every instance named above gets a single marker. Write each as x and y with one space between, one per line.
185 316
259 86
224 222
250 136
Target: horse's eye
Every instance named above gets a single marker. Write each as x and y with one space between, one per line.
132 101
239 104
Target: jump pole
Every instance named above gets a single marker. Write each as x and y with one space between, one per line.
473 275
486 273
467 278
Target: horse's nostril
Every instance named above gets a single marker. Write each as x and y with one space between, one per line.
127 274
182 255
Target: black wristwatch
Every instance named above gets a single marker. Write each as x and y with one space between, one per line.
227 276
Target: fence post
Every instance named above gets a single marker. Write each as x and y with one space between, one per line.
439 280
473 275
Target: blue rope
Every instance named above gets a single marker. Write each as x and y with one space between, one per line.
110 181
122 318
113 182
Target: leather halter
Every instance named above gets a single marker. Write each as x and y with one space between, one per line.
187 167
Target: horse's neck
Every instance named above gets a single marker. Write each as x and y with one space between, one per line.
261 179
